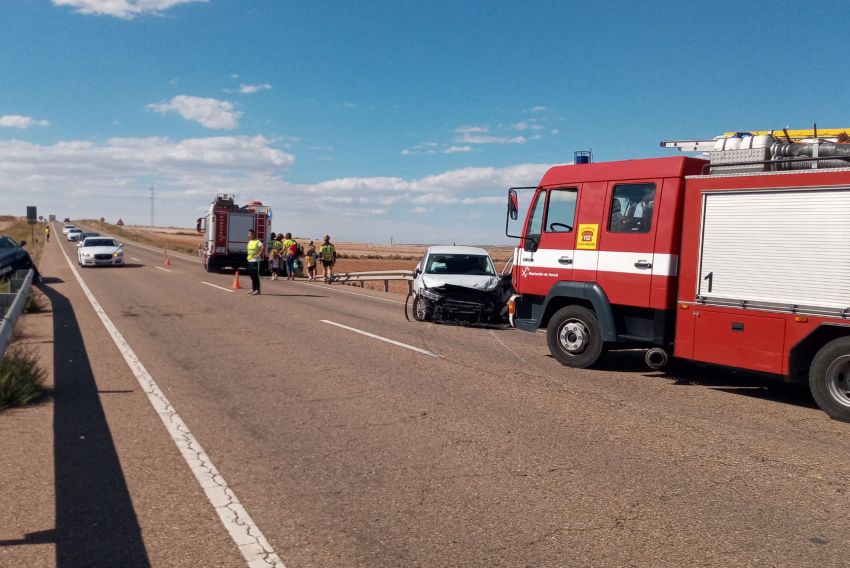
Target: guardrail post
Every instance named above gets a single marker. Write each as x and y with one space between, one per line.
386 285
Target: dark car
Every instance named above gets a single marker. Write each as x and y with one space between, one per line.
13 257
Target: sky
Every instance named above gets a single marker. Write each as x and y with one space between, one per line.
386 119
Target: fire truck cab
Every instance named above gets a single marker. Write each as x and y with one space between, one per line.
746 267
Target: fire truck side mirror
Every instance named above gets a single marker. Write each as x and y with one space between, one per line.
530 244
513 205
200 225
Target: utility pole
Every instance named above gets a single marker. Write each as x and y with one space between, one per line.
152 202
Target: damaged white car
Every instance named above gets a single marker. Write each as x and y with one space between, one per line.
460 285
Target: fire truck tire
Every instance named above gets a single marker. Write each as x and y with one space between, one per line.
423 310
829 379
575 337
211 266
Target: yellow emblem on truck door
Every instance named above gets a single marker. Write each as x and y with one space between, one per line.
587 233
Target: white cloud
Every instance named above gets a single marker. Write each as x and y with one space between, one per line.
22 122
211 113
124 9
457 149
521 125
482 135
349 104
251 89
80 179
540 109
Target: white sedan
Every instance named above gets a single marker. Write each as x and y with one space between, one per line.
73 234
100 251
457 284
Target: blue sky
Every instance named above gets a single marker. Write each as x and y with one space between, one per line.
383 118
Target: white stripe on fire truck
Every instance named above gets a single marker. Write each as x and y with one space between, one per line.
605 261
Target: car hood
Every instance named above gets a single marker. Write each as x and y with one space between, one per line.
100 250
464 280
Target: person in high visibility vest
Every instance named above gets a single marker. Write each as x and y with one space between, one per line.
255 255
327 254
47 233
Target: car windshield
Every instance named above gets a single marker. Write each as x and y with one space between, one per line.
470 264
6 243
99 243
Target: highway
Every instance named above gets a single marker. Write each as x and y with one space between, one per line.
447 446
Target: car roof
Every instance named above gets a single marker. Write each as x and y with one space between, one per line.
457 250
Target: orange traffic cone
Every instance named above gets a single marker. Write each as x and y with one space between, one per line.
236 285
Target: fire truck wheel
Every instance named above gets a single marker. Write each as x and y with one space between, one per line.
211 266
829 379
575 338
423 310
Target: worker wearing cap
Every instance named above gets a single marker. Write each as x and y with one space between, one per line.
327 254
255 255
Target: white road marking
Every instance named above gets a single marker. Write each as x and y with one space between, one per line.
254 547
331 288
378 337
219 287
136 259
161 268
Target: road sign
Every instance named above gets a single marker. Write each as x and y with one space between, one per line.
32 215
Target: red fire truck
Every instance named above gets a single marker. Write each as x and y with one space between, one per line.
225 228
742 260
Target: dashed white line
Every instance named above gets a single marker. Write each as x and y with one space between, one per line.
251 542
161 268
219 287
380 338
136 259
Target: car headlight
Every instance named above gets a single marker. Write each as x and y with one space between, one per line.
118 254
86 255
426 293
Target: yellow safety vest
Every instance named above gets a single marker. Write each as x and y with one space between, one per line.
254 249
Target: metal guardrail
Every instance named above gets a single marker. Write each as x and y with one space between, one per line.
12 304
376 276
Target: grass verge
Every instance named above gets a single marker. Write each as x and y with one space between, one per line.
21 378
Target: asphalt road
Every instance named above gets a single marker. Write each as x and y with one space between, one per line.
350 451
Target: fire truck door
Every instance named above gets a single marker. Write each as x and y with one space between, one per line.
627 242
551 226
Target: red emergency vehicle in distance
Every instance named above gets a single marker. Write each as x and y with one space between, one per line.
741 260
225 231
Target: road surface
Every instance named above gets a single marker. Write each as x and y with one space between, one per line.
448 446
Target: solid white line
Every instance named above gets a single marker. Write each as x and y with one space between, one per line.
136 259
254 547
331 288
219 287
378 337
161 268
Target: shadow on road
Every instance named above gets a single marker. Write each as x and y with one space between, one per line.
96 524
734 381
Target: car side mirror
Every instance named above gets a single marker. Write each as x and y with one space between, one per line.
79 244
23 243
417 271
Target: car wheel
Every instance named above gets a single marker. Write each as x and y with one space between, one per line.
423 310
829 379
575 337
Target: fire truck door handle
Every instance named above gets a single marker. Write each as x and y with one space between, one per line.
565 260
643 264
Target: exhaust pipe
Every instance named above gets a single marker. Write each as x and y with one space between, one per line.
657 358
